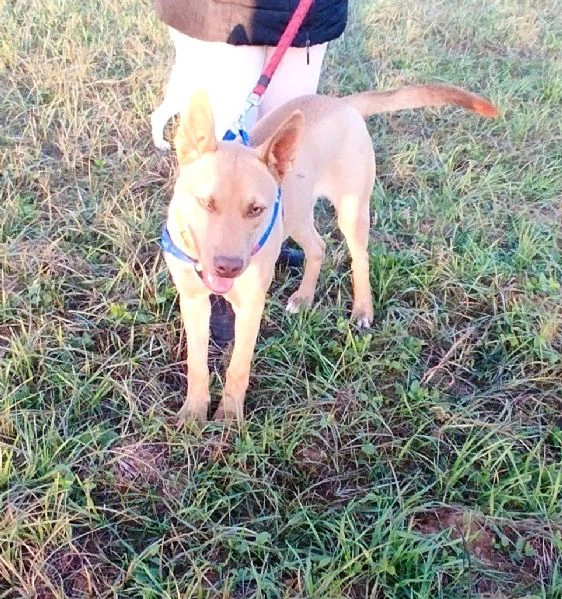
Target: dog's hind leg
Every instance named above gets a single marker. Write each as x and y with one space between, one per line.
353 220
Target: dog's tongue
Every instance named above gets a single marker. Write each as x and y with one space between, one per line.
217 284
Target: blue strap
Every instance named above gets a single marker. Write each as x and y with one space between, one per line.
230 135
171 248
267 232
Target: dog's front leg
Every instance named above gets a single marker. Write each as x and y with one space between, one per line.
248 317
196 312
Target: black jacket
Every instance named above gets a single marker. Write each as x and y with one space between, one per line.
252 22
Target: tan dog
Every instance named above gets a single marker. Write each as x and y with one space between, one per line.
224 200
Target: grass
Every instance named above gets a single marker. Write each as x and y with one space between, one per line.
420 460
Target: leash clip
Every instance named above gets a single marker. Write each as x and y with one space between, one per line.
254 99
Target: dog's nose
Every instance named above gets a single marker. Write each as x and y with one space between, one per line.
228 266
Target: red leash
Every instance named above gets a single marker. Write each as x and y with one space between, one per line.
284 42
255 96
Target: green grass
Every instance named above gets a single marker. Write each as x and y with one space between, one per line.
421 460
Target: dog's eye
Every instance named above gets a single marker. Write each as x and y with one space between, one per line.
207 204
254 211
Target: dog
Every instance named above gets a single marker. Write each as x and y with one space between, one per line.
233 205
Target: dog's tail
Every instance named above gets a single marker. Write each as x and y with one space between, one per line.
419 96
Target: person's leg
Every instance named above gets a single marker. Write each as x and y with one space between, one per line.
296 76
229 81
227 73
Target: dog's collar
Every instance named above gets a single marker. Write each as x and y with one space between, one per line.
267 232
171 248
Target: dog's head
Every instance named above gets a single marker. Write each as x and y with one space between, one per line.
225 192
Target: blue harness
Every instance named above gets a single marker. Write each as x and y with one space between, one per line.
171 248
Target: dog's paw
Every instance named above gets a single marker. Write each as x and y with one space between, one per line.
227 416
363 317
189 415
296 302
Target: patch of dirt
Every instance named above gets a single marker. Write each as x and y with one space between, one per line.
217 447
139 462
479 541
245 590
524 550
52 151
312 459
344 403
81 574
65 571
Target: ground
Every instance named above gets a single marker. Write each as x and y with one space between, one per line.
420 460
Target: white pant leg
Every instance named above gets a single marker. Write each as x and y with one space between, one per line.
227 73
294 77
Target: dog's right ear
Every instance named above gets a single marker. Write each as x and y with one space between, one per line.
196 132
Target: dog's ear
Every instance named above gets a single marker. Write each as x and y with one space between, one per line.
196 132
280 150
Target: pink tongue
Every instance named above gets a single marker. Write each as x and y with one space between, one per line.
218 284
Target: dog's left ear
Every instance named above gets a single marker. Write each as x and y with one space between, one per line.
280 150
196 132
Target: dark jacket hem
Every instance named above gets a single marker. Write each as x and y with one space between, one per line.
252 22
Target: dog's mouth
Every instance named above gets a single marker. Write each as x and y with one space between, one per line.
218 285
